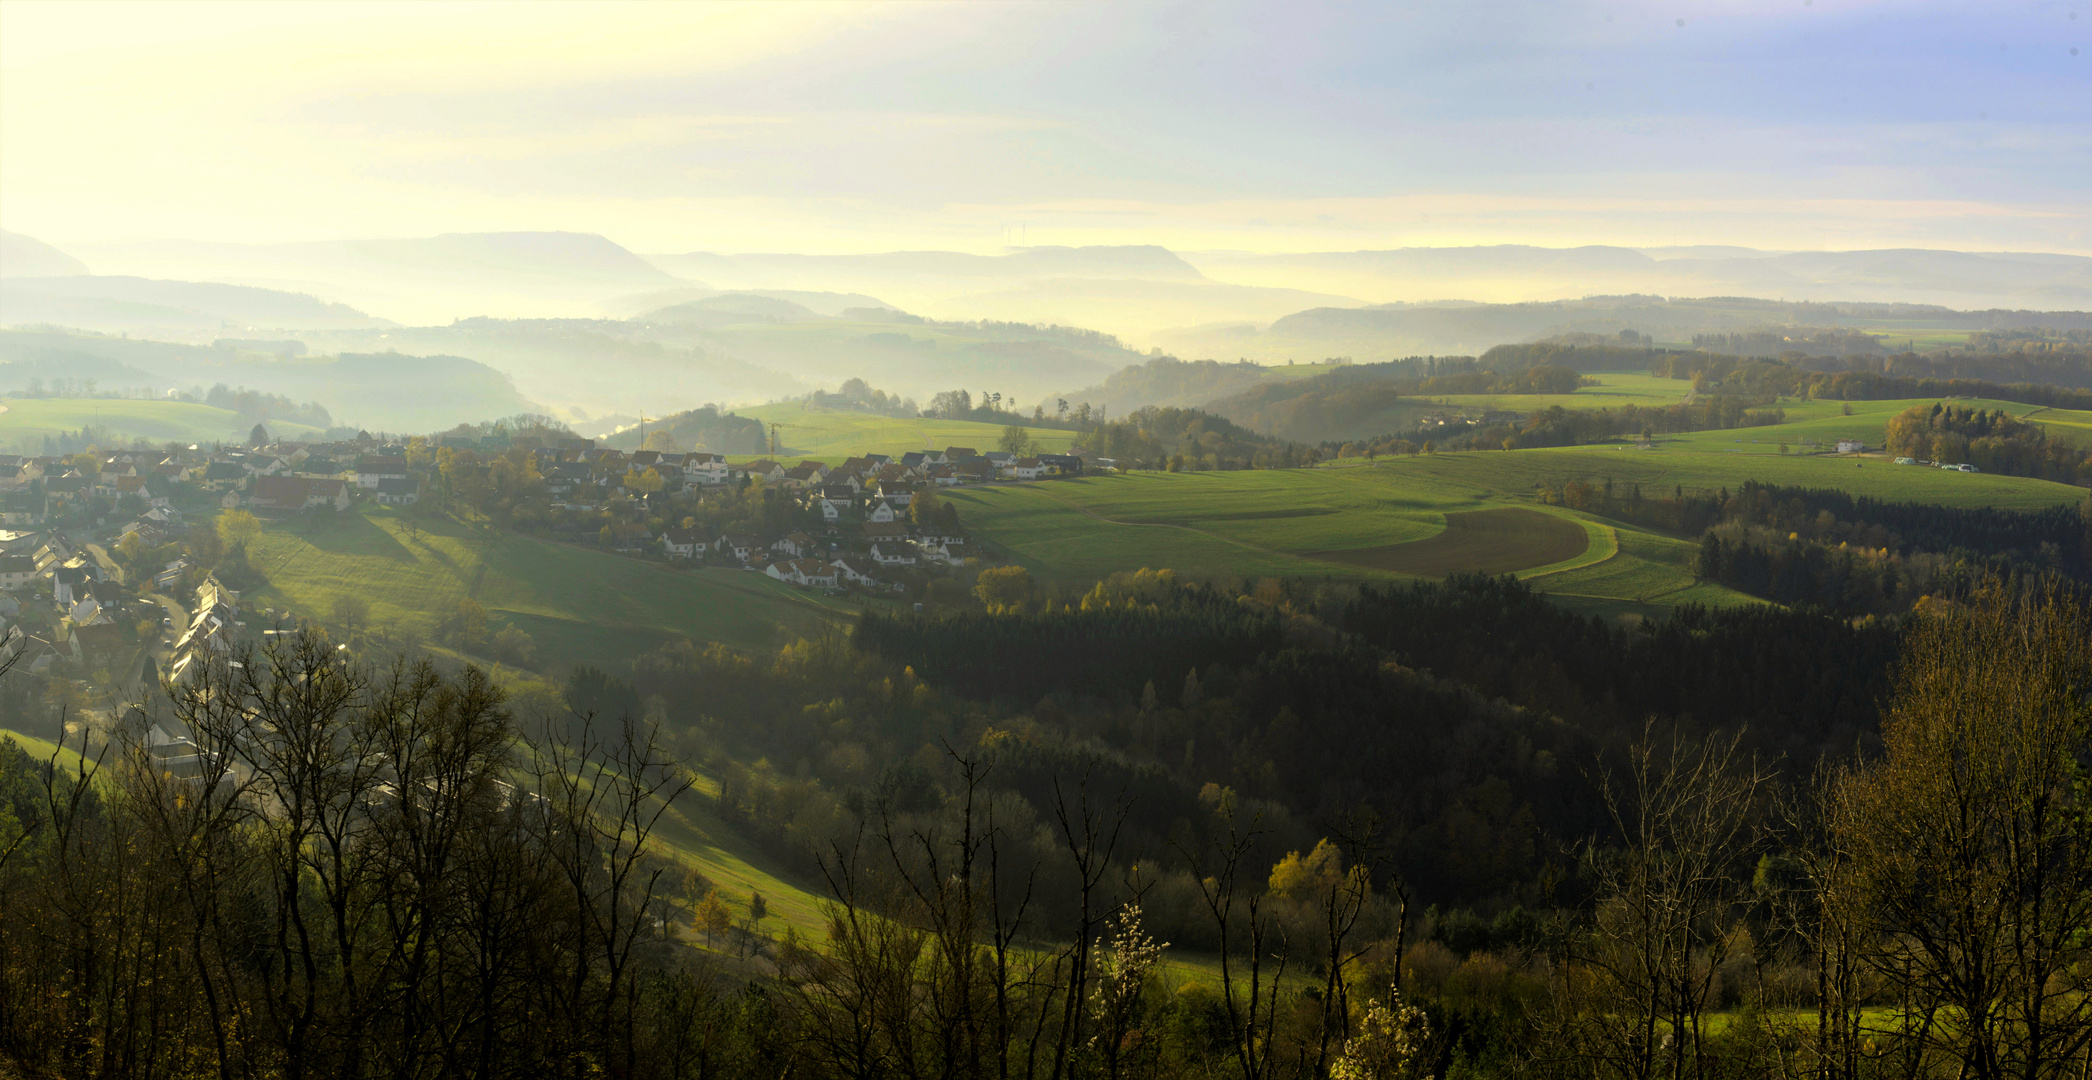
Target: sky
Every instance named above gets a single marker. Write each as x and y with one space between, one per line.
1786 124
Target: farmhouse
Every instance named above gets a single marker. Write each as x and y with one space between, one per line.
292 493
683 544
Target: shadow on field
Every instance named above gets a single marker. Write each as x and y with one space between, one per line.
353 534
1477 541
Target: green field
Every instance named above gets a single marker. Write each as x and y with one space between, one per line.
28 421
831 435
1821 420
1368 521
1613 389
580 605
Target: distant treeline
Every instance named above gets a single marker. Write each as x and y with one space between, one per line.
1189 440
1992 440
1736 375
1846 553
1167 380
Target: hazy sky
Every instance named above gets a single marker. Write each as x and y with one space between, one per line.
1285 126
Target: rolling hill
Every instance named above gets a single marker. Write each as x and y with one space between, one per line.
26 256
172 308
1391 519
1395 330
27 422
579 604
377 390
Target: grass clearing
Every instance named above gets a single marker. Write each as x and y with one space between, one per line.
1364 521
1612 389
831 435
579 604
28 421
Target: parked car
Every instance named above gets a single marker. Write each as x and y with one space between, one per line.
1906 461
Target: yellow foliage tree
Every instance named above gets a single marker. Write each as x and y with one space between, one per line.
236 527
1004 588
1297 878
712 915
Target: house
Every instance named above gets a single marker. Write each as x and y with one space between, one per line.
1061 464
22 508
954 552
881 512
397 491
683 544
1002 461
171 574
1027 468
87 612
885 530
17 571
296 493
814 573
794 544
811 572
943 476
803 476
737 546
705 468
764 471
1850 446
222 475
68 583
856 570
372 471
895 553
834 502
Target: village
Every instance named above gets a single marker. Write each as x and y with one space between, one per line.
96 558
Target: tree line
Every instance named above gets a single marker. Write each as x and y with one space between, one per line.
1427 830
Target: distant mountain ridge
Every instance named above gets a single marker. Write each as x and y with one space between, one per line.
26 256
1959 279
1389 331
133 304
381 391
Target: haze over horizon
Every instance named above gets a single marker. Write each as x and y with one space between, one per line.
1806 126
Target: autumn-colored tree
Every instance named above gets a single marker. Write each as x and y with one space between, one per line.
712 916
237 527
1004 588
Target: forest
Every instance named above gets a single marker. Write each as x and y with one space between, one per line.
1992 440
1428 830
1853 556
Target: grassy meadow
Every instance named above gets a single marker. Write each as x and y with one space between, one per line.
1613 389
831 435
1352 519
580 605
27 421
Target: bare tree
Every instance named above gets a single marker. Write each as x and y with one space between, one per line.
1971 841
